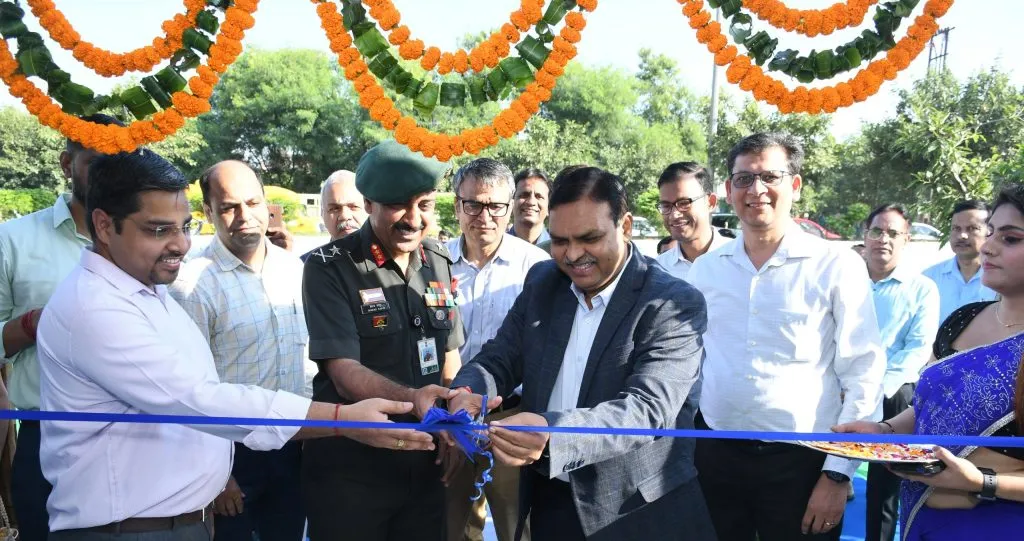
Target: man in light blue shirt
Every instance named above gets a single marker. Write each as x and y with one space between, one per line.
489 268
959 278
907 306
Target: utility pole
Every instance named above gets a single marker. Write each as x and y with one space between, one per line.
713 121
938 50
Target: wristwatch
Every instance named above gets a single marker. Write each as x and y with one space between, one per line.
836 476
989 482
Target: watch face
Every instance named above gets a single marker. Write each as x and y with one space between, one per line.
837 477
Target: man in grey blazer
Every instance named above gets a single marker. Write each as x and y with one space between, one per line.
599 337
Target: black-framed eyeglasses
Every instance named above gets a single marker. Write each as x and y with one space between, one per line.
682 204
161 232
745 179
475 208
876 233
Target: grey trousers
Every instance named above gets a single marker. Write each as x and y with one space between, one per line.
192 532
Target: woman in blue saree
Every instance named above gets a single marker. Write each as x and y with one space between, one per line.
974 387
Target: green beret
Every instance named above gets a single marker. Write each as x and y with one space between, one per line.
390 173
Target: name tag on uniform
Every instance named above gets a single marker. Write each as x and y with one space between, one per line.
374 301
428 356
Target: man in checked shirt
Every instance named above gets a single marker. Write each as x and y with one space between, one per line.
245 295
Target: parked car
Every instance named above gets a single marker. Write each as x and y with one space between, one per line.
726 221
817 229
642 228
920 231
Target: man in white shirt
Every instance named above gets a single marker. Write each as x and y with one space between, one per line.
36 252
111 340
686 201
489 267
601 336
907 307
791 328
959 277
245 295
531 207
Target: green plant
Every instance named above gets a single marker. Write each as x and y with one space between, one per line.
14 203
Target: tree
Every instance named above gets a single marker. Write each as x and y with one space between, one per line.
290 114
29 153
185 149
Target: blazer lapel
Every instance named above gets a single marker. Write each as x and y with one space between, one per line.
622 301
562 317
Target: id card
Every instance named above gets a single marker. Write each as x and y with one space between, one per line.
428 356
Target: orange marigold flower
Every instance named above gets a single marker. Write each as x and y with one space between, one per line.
519 19
700 19
587 5
570 34
725 55
430 58
399 35
411 50
444 67
575 20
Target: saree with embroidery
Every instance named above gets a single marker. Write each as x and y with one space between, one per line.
970 393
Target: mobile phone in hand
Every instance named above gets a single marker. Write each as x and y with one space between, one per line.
276 215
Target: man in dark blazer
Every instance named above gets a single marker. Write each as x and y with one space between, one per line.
599 337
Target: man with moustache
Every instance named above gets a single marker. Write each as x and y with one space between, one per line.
245 295
599 337
686 201
112 341
531 206
959 278
791 328
380 309
489 269
36 252
907 306
341 205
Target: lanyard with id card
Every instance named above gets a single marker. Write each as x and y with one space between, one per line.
426 349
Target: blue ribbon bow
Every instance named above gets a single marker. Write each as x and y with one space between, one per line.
471 443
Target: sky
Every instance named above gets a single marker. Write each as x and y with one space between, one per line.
984 35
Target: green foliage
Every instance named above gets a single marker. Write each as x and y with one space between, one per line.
646 205
29 153
14 203
849 223
445 210
184 149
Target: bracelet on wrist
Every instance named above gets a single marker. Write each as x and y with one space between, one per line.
28 324
886 423
337 411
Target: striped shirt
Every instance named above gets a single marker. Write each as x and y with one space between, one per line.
252 320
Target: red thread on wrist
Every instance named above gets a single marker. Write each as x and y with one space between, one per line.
27 324
337 410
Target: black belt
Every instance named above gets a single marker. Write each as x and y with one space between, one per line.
155 524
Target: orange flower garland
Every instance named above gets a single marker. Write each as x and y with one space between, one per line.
864 84
507 123
488 53
810 22
107 63
111 139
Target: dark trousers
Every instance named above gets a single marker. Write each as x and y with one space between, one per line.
273 496
553 514
29 489
759 490
883 486
349 499
192 532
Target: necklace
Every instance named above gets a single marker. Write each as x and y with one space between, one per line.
1000 320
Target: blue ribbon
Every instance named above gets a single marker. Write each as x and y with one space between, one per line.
471 442
143 418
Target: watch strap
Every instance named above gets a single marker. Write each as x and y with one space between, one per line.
836 476
989 483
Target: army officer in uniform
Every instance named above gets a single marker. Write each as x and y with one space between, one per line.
382 323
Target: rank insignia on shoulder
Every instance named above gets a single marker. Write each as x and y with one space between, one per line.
378 254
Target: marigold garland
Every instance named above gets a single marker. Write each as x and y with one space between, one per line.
505 124
487 53
111 64
111 139
751 78
810 22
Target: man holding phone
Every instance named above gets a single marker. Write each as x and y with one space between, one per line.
276 230
245 295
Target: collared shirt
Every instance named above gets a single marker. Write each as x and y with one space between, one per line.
486 295
37 251
907 306
784 341
253 320
954 291
675 261
109 344
565 394
542 238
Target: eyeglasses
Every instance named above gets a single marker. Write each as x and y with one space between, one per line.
475 208
745 179
161 232
876 233
682 204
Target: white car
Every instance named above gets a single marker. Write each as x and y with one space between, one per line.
642 228
920 231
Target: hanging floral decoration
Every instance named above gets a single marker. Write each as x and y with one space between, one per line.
809 22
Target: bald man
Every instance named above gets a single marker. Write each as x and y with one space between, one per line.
341 205
245 295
